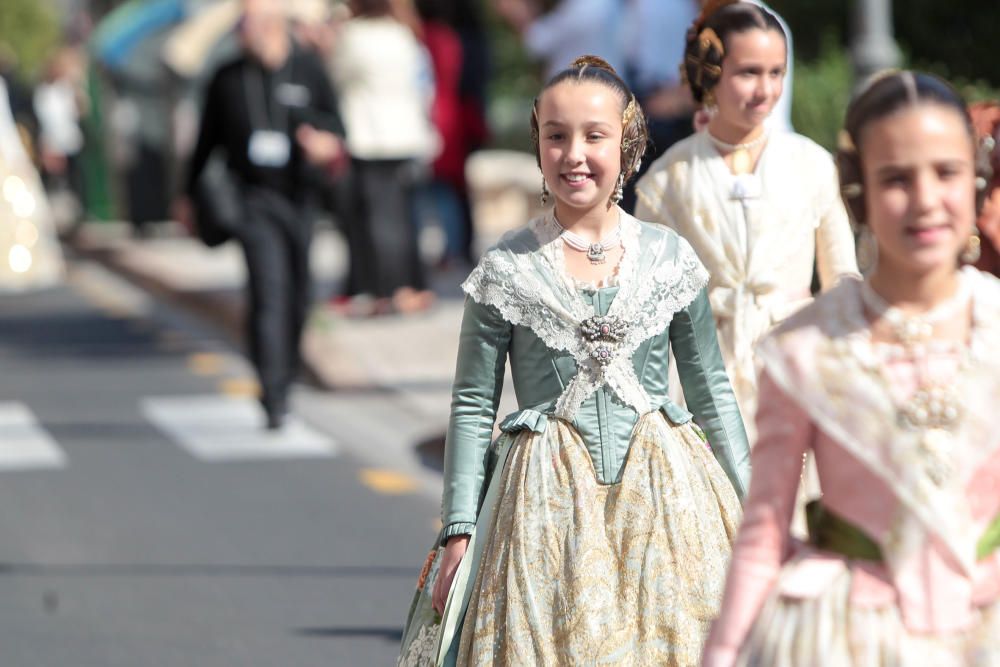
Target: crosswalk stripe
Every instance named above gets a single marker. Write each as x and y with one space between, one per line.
24 444
228 428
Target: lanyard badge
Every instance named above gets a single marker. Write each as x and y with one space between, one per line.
269 145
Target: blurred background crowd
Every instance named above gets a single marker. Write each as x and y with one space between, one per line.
106 95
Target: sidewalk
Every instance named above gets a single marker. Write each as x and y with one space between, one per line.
412 356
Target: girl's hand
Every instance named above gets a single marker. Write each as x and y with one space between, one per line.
454 550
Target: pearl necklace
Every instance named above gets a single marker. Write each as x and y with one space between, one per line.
742 161
933 410
749 145
911 329
595 251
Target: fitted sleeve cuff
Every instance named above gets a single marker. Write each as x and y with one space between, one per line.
458 528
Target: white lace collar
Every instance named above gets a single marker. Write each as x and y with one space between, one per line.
524 278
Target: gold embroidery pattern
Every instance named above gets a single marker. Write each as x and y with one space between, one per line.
587 574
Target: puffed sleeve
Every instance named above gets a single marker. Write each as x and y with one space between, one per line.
835 253
479 373
707 390
785 432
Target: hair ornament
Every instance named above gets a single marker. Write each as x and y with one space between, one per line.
631 109
583 62
874 78
910 83
534 124
852 190
845 143
707 39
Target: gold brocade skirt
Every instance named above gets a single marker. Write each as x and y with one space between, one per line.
827 630
575 572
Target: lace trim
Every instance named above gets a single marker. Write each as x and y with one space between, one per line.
530 287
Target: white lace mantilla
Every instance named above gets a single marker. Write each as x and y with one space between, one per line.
524 277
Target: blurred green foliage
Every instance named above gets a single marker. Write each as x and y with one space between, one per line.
31 30
821 88
955 40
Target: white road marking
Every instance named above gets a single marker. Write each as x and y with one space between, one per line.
24 444
227 428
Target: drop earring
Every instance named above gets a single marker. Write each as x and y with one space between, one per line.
544 199
619 192
973 248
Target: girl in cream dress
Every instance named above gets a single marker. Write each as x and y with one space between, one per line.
759 207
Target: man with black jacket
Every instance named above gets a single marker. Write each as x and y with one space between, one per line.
273 113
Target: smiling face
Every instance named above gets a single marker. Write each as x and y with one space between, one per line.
753 72
919 181
579 143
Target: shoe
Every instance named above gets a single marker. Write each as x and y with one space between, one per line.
276 420
276 413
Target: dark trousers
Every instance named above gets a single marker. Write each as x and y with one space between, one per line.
275 239
382 233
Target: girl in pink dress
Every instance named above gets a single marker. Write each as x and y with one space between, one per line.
893 383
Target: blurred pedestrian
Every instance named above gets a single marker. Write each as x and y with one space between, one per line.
448 195
556 35
653 40
21 98
597 528
893 382
29 252
383 78
760 207
60 103
273 114
986 118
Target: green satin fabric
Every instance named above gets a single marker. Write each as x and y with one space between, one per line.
605 423
830 532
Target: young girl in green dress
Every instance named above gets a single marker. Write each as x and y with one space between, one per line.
597 528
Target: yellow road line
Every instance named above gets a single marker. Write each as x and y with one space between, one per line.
205 363
244 387
388 482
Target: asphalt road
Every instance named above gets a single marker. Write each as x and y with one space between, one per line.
146 522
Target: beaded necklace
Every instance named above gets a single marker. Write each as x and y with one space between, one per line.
935 409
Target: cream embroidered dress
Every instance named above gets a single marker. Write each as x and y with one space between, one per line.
759 235
601 518
903 566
